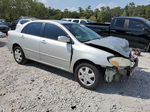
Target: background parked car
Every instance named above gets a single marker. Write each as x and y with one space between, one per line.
2 35
3 27
23 21
2 20
19 23
13 25
80 21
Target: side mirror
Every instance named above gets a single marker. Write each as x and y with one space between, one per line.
64 39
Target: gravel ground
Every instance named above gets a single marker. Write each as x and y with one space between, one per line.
36 87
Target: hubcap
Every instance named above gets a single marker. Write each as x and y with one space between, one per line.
86 76
18 55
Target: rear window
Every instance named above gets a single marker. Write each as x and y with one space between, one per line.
76 21
33 29
23 21
83 22
119 23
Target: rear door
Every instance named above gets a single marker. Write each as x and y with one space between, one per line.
30 40
52 51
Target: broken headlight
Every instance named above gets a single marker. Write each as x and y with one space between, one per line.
120 61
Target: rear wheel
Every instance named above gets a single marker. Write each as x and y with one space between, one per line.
19 55
88 75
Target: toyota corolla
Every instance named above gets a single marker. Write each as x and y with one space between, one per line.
74 48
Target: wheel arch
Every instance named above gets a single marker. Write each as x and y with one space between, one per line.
85 61
15 45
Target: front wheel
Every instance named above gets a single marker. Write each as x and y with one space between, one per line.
19 55
88 75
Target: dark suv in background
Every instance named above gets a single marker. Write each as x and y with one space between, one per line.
135 29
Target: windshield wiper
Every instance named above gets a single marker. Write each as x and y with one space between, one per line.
91 39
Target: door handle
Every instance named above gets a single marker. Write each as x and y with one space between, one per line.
43 42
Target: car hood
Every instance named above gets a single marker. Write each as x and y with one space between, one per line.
118 45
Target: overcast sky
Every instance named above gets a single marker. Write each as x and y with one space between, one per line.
74 4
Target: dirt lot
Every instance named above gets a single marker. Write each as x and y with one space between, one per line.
36 87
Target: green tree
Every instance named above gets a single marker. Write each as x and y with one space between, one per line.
93 18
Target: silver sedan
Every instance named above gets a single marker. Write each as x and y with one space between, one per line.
74 48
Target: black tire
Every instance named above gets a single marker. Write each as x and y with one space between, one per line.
98 75
23 59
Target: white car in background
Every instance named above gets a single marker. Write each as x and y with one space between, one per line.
80 21
23 21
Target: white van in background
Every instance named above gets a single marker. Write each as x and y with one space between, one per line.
80 21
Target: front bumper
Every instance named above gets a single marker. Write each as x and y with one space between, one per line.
114 73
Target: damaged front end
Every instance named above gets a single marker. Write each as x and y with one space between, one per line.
121 66
123 62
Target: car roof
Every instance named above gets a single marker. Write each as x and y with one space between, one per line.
56 21
72 19
125 17
135 18
27 19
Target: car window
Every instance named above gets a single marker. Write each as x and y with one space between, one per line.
16 22
23 21
76 21
83 22
53 32
119 23
90 21
33 29
137 25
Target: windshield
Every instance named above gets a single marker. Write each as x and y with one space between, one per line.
82 33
